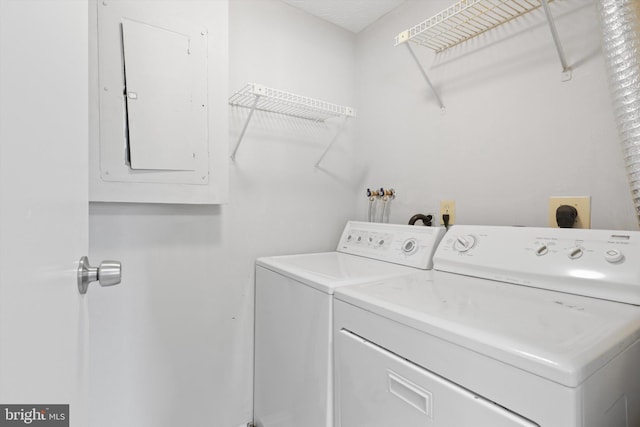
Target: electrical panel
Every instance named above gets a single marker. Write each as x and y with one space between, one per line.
163 136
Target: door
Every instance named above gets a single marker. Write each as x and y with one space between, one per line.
377 388
43 204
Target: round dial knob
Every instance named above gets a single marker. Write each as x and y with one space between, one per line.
542 250
464 243
575 253
409 246
613 255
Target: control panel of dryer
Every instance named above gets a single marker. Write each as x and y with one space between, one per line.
597 263
408 245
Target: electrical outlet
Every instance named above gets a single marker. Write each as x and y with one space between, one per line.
582 205
448 207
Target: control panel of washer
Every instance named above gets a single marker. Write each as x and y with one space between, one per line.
408 245
598 263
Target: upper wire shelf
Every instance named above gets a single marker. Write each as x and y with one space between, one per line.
463 21
469 18
262 98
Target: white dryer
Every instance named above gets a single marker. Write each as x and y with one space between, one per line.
293 377
516 327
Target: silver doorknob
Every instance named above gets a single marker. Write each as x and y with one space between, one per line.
109 273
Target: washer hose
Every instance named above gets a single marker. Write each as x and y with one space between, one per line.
426 219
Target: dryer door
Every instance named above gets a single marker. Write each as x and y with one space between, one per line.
376 388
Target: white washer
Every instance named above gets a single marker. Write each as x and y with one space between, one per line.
293 374
516 327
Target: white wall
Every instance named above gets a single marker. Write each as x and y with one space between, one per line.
512 134
172 345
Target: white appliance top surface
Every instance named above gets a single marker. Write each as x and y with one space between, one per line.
559 336
366 252
326 271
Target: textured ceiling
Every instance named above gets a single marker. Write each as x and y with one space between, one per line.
353 15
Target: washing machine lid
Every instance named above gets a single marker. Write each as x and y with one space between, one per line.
327 271
562 337
366 252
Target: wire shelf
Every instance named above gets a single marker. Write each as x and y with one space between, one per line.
257 97
463 21
262 98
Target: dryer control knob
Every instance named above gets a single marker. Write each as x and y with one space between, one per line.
464 243
542 250
613 255
575 253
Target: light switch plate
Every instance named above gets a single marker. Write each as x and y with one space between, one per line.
581 203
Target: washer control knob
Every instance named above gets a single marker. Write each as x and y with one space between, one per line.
575 253
542 250
613 255
464 243
409 246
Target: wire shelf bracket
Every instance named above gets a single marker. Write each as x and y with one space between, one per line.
469 18
425 75
566 69
335 138
261 98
